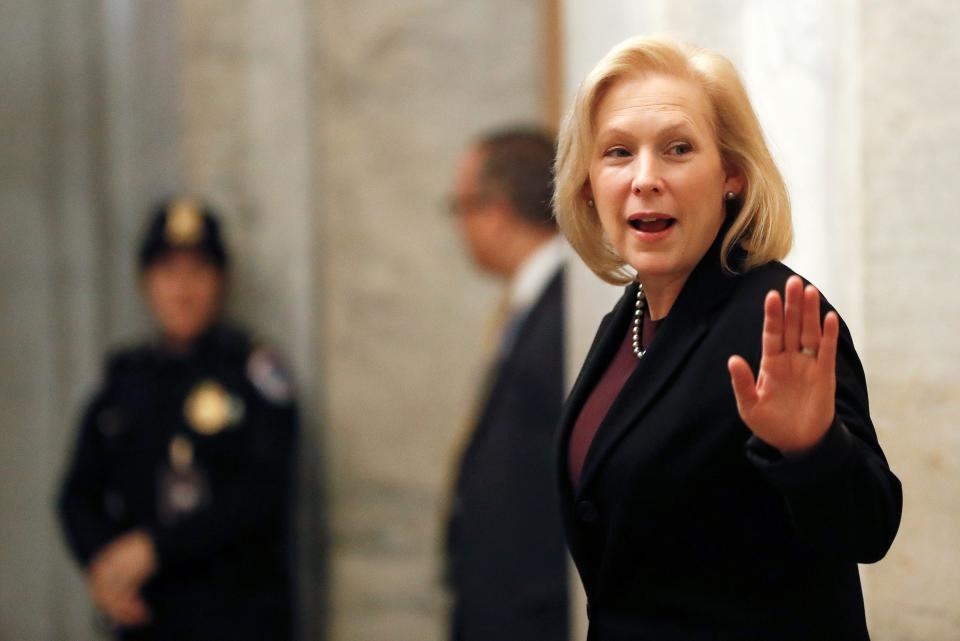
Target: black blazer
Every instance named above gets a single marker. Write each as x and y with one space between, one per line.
507 559
687 527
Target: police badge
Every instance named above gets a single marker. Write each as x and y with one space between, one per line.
209 408
184 224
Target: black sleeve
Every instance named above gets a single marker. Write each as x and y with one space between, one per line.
82 501
251 502
841 494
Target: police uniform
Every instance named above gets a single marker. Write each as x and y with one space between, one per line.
196 449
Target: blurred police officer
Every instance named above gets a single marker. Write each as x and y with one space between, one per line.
176 500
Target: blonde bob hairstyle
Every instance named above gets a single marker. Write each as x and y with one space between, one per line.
761 212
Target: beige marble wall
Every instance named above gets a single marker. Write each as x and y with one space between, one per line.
244 121
911 157
401 88
85 110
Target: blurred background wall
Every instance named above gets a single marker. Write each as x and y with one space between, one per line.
88 115
326 132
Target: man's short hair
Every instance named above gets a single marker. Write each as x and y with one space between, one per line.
519 167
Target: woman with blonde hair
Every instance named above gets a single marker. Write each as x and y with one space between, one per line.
701 501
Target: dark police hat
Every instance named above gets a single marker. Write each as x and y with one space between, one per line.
183 224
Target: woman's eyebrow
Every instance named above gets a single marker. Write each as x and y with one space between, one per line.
682 127
614 132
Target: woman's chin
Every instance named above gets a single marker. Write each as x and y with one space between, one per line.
650 268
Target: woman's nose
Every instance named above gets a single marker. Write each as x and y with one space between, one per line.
647 177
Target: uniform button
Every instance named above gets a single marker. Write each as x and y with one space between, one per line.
587 512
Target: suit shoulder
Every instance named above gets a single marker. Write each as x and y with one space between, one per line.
263 365
130 358
247 345
752 286
233 339
755 284
772 275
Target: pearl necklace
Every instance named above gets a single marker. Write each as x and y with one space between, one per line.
638 322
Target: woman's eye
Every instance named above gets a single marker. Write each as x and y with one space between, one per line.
617 152
681 148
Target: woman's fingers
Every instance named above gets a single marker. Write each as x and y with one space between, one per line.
810 332
772 324
827 354
796 391
744 386
792 314
795 325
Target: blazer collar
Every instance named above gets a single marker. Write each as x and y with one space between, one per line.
683 328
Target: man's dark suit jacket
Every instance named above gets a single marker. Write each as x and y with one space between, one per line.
687 527
506 551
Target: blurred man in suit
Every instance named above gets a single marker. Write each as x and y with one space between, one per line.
507 563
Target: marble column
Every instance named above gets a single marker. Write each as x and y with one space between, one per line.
85 97
910 157
245 110
401 89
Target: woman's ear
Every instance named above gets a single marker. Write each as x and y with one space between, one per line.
735 181
586 192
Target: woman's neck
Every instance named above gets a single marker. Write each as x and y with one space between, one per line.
661 293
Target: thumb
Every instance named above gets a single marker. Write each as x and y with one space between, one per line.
744 386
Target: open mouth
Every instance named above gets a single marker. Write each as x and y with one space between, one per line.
651 224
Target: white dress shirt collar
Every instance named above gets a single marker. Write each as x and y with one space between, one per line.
535 274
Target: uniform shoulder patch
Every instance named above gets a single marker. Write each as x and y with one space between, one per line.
269 374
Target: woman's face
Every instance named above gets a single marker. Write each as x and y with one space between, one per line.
184 293
656 176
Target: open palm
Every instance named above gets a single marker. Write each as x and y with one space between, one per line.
791 403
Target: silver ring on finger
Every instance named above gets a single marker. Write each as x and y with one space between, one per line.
808 351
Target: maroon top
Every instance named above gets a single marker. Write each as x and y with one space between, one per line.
601 398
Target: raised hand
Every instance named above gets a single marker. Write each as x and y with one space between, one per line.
792 402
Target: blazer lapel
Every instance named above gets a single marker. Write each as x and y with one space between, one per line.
681 331
604 346
674 341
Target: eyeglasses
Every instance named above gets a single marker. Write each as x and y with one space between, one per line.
461 205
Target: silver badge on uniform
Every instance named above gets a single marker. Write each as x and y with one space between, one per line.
183 487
